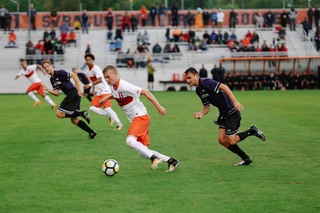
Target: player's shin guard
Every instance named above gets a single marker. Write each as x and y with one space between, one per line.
236 149
139 147
113 115
84 126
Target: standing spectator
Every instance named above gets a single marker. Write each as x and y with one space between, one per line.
53 17
203 72
232 19
292 18
316 17
72 38
2 13
46 34
118 33
220 18
188 19
29 52
151 71
109 19
317 39
205 17
270 18
310 14
125 22
215 73
7 21
153 14
143 15
174 15
134 23
259 20
84 21
162 11
306 25
12 38
222 72
53 34
284 19
48 47
198 20
33 14
214 18
77 23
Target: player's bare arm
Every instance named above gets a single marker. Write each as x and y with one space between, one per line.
204 111
53 92
16 77
77 82
99 80
229 93
41 68
108 97
154 101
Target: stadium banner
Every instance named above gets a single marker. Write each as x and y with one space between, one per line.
97 18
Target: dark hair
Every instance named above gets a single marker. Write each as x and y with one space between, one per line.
22 60
191 70
89 55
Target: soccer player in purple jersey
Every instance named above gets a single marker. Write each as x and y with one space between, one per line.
70 106
220 96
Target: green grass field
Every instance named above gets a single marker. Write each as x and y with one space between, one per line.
49 165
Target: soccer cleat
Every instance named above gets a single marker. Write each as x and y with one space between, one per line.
258 133
86 116
92 134
36 103
173 165
54 107
155 162
118 128
111 121
244 162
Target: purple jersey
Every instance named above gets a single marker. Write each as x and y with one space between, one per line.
209 93
61 81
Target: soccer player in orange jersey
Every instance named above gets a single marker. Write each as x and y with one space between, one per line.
101 89
127 96
36 85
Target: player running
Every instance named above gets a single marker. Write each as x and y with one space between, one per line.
101 90
127 96
36 85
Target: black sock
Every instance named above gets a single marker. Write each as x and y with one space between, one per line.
84 126
170 160
245 134
153 157
236 149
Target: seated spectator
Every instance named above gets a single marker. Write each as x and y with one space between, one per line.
225 38
72 38
246 41
146 38
264 46
167 34
39 46
255 38
64 27
192 45
233 36
249 35
46 34
167 49
184 37
192 34
118 33
140 56
118 45
282 33
29 52
176 35
206 35
213 37
48 47
176 52
203 44
219 39
130 58
156 48
109 35
76 24
64 37
139 38
12 38
52 34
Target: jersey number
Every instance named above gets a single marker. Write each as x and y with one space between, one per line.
120 95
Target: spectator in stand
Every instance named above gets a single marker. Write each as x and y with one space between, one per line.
306 26
38 51
77 23
255 38
215 73
7 21
118 33
264 46
46 34
220 18
167 49
143 15
109 19
12 38
118 45
53 17
52 34
188 19
249 35
146 38
139 38
222 73
270 18
233 36
153 14
292 18
192 34
284 19
29 52
125 22
259 21
316 17
198 20
310 15
156 48
33 14
64 27
174 15
214 18
134 23
203 72
176 52
205 17
225 37
176 35
64 37
48 47
72 38
162 11
140 54
2 13
85 21
203 44
317 39
232 19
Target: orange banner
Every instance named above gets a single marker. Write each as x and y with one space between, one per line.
97 19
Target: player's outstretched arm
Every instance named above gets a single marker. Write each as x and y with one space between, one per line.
110 96
77 82
204 111
53 92
41 68
230 94
154 101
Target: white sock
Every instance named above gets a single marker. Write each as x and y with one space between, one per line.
164 158
33 96
48 99
113 115
99 111
139 147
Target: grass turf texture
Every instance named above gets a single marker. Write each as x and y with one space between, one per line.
48 165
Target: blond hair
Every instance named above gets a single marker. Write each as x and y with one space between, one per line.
110 67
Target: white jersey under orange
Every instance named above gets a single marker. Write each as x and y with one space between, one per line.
102 88
30 73
127 95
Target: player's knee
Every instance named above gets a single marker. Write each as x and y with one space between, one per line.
92 108
60 114
74 121
130 141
